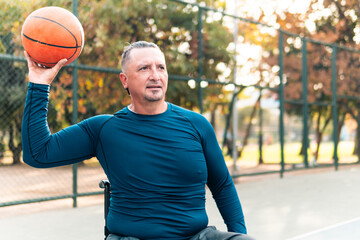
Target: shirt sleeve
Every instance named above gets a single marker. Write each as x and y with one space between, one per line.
219 180
42 149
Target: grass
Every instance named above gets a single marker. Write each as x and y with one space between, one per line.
271 153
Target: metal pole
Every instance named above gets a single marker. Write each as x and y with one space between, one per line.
75 113
305 104
235 112
201 58
281 99
334 104
358 137
261 160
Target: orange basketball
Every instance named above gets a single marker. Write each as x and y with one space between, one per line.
50 34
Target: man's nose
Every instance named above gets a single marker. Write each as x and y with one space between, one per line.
155 73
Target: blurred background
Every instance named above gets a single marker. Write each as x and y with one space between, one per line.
277 79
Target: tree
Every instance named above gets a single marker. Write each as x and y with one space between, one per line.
109 26
12 92
339 27
12 82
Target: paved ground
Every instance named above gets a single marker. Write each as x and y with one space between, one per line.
345 230
317 204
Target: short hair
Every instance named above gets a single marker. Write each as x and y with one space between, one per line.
139 44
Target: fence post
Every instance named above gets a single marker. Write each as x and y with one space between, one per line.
200 58
235 112
261 159
334 103
75 113
305 103
281 99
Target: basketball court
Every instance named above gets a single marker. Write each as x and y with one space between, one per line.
313 205
346 230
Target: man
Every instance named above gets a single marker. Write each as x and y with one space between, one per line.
157 156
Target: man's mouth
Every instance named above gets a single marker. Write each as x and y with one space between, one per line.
153 87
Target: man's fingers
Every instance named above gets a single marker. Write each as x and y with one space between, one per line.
31 63
41 74
28 59
62 62
26 55
59 65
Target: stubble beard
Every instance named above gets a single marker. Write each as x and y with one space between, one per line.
154 96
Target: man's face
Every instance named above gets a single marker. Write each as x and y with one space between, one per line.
145 75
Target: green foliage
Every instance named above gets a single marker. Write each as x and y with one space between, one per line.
109 26
12 98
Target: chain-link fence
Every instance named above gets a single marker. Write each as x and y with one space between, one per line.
292 106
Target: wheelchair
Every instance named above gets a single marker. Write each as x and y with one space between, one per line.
105 184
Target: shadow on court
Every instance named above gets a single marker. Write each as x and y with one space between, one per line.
311 205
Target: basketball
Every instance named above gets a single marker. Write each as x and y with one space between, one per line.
50 34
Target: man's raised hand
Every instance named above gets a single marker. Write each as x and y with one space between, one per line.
41 75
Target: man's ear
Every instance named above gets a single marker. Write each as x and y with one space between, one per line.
123 79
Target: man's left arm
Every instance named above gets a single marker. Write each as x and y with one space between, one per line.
220 182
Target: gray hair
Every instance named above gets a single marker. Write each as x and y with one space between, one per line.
125 57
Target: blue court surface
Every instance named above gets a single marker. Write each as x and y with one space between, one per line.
349 230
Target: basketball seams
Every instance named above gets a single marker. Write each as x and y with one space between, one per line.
48 44
50 20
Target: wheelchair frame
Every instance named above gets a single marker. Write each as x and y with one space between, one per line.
105 184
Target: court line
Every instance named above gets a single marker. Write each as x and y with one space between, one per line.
325 229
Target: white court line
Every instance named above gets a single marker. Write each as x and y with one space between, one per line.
324 229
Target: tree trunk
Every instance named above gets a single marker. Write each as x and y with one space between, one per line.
302 149
318 142
248 128
319 133
318 136
213 116
340 124
15 150
356 146
356 150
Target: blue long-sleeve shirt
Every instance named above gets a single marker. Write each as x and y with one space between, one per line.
158 166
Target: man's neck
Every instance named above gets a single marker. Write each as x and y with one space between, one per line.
152 108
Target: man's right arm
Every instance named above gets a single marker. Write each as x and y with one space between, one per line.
41 148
